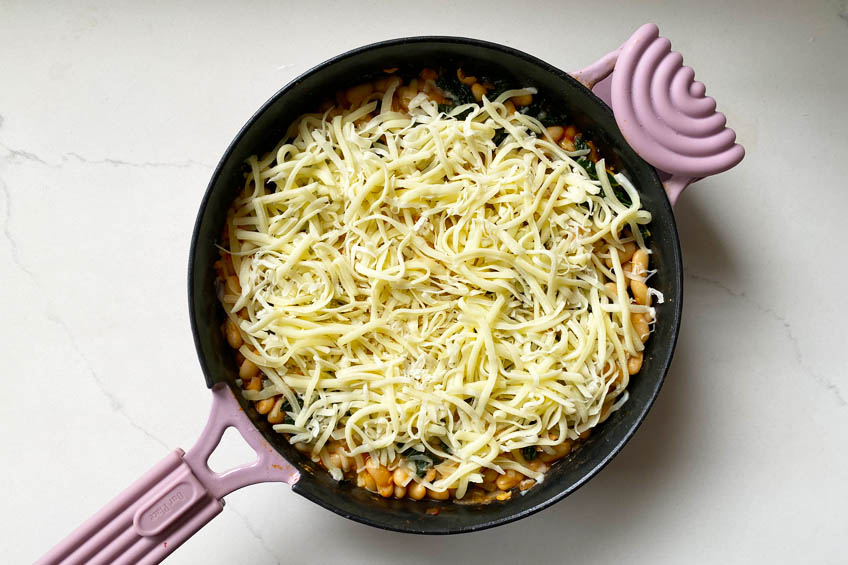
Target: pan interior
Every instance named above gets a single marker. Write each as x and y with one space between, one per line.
591 116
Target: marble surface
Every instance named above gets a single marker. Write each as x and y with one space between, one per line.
112 117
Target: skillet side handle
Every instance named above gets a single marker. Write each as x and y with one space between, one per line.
597 71
144 523
175 499
662 111
675 186
269 465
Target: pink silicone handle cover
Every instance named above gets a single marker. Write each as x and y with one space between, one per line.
175 498
662 111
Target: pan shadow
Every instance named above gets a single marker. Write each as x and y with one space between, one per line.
704 250
629 489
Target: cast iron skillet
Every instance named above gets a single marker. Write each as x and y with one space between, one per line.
265 129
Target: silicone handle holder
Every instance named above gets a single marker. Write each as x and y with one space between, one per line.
175 498
662 111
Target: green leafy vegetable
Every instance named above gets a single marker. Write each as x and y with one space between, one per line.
286 408
422 461
451 87
529 452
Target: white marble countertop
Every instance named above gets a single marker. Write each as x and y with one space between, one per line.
111 119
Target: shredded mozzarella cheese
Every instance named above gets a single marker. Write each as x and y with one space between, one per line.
406 283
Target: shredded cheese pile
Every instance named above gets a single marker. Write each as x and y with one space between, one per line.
406 283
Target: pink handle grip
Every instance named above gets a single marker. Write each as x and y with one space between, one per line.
662 111
175 498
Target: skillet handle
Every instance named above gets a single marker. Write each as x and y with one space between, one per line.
662 112
173 500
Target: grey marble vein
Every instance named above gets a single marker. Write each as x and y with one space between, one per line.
799 356
7 231
15 154
255 533
114 403
22 155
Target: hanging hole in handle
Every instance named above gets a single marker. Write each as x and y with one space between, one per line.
232 452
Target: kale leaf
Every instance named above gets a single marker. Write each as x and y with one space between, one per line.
529 452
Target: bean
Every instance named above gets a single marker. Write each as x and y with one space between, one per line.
386 491
233 284
628 269
233 334
356 94
381 474
510 108
436 96
344 460
406 94
593 153
526 484
276 415
629 249
248 370
556 132
416 491
428 74
570 132
615 380
400 491
523 100
640 262
383 84
537 465
303 447
640 292
612 288
253 384
640 324
431 474
623 255
478 90
605 409
265 406
559 451
436 495
370 483
335 460
401 477
509 479
566 144
467 80
634 363
489 478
